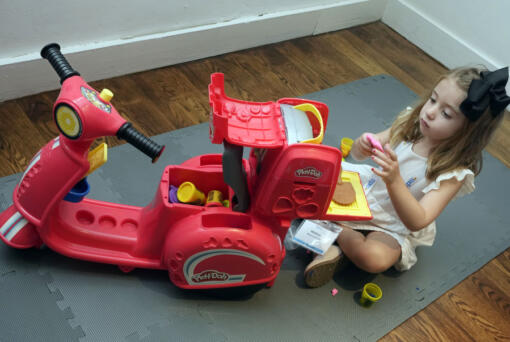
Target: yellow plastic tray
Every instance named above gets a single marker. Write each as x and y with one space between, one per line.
357 210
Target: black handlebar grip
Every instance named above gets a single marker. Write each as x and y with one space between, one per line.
140 141
52 53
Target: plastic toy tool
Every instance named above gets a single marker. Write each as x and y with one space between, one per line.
374 142
215 221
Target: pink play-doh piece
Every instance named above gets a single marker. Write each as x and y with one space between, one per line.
334 292
374 142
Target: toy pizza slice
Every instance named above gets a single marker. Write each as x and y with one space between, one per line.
344 193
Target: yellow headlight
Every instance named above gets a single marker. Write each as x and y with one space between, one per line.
68 122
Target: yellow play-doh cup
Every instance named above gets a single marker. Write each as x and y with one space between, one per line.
345 146
188 193
214 199
371 294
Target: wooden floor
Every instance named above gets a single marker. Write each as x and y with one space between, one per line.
478 309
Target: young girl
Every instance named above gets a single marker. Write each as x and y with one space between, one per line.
431 155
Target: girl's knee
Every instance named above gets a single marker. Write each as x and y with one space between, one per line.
376 266
374 260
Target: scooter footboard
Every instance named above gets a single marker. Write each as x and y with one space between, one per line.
222 250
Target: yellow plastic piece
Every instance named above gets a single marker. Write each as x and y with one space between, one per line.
214 199
106 95
68 121
308 107
188 193
345 146
371 294
97 157
359 208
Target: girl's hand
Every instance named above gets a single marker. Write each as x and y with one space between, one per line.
363 147
388 162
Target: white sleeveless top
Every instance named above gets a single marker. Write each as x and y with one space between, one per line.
412 169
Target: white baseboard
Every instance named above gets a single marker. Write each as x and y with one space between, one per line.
436 40
29 74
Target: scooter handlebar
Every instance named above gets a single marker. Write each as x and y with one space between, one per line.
52 53
140 141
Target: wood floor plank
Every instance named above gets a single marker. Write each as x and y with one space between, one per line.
491 293
499 146
480 327
294 72
502 263
387 64
423 327
333 67
20 138
488 302
39 111
343 44
395 47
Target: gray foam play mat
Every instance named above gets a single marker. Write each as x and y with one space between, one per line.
47 297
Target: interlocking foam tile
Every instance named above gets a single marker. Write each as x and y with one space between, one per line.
29 311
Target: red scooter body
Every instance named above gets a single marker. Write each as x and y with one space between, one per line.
202 247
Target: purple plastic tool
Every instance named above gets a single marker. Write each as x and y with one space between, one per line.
172 194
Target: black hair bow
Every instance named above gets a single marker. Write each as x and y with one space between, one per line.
489 90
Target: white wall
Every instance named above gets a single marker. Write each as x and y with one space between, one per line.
88 22
455 32
105 39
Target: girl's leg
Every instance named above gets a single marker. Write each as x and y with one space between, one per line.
373 253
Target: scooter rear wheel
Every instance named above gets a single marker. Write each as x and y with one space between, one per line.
126 269
230 293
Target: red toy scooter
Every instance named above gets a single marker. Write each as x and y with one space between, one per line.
218 244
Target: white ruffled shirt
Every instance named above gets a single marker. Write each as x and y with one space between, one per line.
412 169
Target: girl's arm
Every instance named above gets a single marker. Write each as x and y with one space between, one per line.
414 214
361 148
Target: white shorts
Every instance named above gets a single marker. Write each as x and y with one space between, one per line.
407 245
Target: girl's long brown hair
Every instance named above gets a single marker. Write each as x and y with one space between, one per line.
464 148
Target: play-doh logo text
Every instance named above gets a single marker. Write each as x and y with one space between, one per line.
210 275
308 172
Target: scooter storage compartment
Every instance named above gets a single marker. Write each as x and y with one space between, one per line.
205 180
